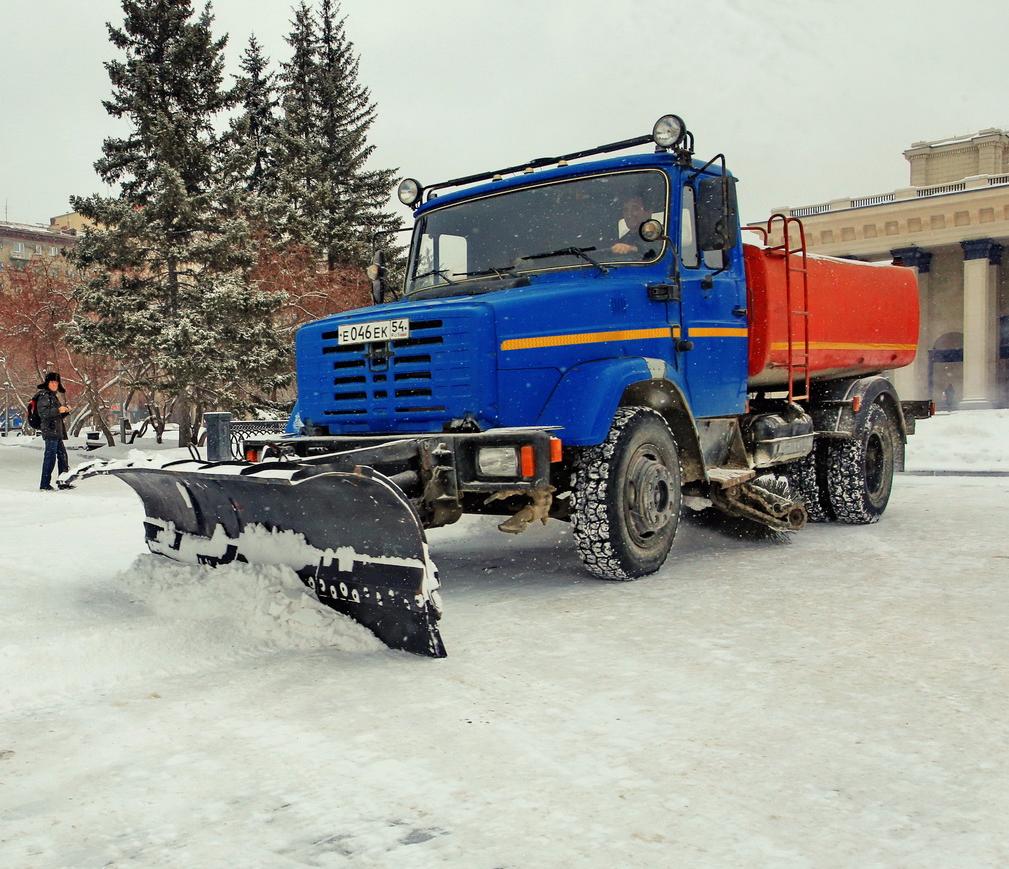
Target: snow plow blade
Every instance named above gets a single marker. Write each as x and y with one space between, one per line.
354 538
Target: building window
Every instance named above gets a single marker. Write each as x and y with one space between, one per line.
53 250
19 247
38 249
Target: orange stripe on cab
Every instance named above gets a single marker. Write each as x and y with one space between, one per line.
584 338
719 332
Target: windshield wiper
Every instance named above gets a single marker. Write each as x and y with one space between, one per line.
439 272
497 271
580 252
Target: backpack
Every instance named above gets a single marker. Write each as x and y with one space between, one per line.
34 420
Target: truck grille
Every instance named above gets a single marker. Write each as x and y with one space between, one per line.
414 384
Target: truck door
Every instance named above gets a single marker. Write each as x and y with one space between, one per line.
713 318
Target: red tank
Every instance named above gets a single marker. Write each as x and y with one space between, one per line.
862 317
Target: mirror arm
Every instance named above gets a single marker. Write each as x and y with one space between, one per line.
668 292
674 272
696 172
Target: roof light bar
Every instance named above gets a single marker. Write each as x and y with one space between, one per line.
669 132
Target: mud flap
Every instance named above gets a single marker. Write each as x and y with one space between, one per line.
353 537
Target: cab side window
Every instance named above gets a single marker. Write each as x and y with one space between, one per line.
691 257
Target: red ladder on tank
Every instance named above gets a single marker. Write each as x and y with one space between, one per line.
796 284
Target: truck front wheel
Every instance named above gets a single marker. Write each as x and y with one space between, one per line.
626 497
860 470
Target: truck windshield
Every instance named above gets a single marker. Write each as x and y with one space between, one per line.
558 225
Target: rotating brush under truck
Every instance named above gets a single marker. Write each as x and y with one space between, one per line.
585 341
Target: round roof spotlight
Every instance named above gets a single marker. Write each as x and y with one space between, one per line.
409 191
668 131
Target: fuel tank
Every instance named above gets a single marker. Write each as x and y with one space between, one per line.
862 318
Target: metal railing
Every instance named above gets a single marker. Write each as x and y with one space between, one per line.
807 210
938 189
866 201
243 429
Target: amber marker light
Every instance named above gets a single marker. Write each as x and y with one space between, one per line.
252 454
556 450
527 461
856 403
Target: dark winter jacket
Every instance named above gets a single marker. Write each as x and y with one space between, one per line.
49 404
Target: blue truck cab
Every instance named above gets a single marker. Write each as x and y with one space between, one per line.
531 302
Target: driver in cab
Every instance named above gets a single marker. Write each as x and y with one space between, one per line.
634 214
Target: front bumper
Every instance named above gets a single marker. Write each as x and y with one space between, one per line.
449 457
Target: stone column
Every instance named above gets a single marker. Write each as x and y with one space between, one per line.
979 346
911 381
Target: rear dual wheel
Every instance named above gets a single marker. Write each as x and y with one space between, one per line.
860 470
807 482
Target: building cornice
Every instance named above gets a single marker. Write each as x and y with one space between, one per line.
903 195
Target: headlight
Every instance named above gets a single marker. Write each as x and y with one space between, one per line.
409 191
497 462
668 131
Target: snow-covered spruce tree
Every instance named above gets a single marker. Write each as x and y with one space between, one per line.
168 258
327 197
295 206
254 130
353 197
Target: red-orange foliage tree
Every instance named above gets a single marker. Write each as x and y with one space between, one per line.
312 291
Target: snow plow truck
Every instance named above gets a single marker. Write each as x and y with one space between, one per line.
584 338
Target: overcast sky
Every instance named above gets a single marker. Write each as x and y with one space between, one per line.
808 100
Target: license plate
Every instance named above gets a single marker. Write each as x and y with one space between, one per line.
363 333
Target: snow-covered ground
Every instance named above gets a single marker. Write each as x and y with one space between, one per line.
841 700
971 440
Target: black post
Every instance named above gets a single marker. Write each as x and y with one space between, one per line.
218 436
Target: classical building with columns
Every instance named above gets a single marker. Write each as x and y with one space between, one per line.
950 224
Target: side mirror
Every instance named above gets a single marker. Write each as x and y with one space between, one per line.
376 271
717 221
652 230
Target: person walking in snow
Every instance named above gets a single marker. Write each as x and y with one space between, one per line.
948 395
52 411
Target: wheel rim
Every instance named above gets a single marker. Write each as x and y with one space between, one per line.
649 499
877 466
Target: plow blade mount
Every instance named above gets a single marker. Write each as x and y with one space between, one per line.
353 537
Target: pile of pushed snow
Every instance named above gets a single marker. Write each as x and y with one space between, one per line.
263 603
965 440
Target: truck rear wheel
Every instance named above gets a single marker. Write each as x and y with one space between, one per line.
626 497
860 470
807 482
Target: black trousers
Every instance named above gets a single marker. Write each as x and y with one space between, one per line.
55 452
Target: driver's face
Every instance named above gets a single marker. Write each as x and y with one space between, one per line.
634 213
